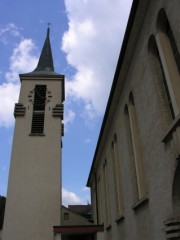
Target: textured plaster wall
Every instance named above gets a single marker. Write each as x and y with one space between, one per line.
33 199
153 117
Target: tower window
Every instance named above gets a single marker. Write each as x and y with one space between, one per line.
38 109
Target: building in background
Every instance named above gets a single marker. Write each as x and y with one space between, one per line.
34 187
135 174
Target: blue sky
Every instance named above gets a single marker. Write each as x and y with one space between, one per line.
86 37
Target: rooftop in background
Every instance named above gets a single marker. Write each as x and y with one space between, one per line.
83 210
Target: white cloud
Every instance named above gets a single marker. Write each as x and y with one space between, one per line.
4 168
85 189
8 96
69 117
10 29
22 60
87 140
10 140
70 198
92 44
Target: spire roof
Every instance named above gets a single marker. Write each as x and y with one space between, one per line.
45 63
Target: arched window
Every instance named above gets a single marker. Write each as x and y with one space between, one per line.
106 192
117 177
131 154
136 148
158 70
100 199
136 162
170 59
164 26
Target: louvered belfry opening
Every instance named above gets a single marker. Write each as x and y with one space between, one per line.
39 109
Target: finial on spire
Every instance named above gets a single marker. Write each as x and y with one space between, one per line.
48 29
46 61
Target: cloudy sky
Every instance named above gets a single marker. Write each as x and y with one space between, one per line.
86 37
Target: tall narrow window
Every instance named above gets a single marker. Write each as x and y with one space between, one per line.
94 203
136 145
166 86
117 178
157 65
99 200
173 44
38 109
130 155
170 59
106 190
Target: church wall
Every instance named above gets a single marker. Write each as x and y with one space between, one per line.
139 116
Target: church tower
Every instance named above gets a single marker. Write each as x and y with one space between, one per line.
34 187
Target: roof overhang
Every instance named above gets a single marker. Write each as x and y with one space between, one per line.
70 230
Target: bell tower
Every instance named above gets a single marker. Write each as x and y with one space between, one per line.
34 186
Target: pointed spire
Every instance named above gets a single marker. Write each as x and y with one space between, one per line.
45 63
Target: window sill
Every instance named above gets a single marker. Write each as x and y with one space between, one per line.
37 134
140 203
119 219
168 135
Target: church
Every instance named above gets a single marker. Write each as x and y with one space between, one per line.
135 173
